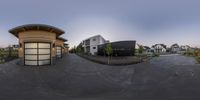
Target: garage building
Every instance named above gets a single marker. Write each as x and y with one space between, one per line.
39 44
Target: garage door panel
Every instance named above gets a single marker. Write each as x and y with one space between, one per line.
44 57
58 56
31 45
31 57
58 52
30 62
44 62
44 51
44 45
30 51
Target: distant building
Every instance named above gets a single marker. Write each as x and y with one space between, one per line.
60 48
66 47
15 47
90 45
175 48
11 47
184 47
159 48
147 50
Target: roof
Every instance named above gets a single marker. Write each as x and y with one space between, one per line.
66 45
164 46
146 47
124 41
63 39
94 37
185 46
29 27
175 45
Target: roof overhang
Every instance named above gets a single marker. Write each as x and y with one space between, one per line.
66 45
37 27
62 39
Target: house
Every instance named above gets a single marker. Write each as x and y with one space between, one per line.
175 48
66 48
15 47
184 48
39 44
120 48
147 50
90 45
11 47
159 48
60 48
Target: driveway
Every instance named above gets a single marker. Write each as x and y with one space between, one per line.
74 78
173 59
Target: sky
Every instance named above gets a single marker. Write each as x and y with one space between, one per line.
146 21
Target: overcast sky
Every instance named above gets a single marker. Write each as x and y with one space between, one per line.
146 21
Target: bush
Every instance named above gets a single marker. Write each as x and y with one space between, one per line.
189 53
156 55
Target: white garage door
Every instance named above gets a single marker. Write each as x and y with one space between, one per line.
37 54
58 52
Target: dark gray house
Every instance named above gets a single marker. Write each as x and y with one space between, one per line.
120 48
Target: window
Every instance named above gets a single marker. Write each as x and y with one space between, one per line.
94 39
94 47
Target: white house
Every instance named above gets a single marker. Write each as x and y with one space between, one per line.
90 45
11 47
15 47
159 48
184 47
147 50
175 48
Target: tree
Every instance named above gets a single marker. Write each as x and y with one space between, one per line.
109 51
79 50
74 49
9 51
140 49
